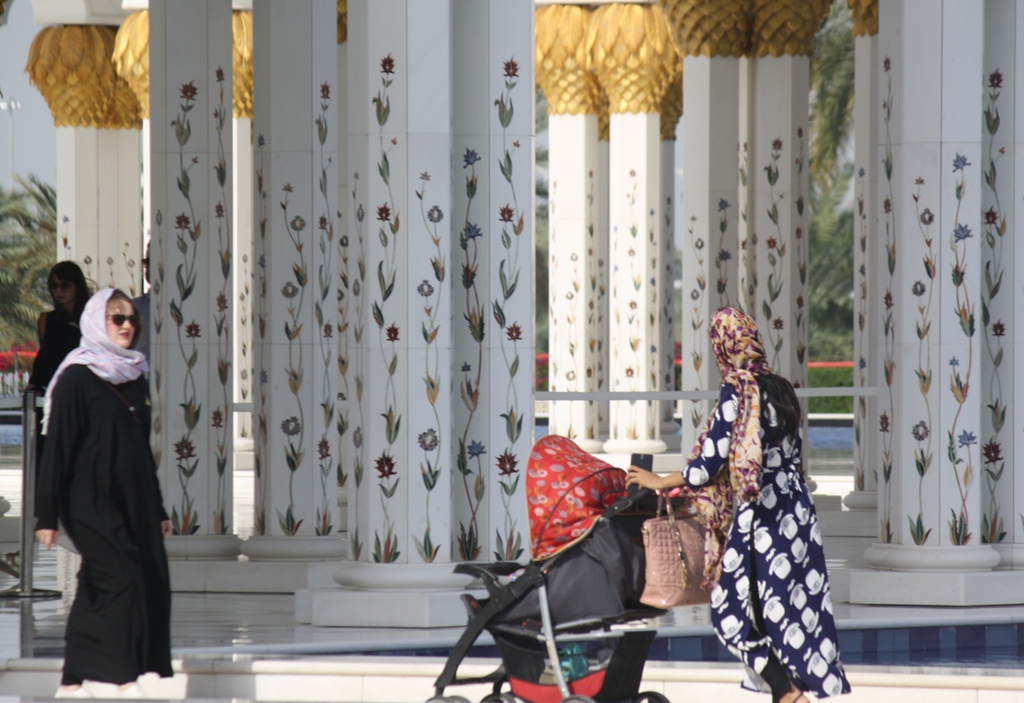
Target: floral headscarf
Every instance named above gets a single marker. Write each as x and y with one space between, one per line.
740 353
99 352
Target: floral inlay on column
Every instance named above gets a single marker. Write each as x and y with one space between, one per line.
220 418
748 249
186 522
697 320
634 320
923 291
723 256
860 418
387 551
325 330
596 305
294 427
776 254
960 381
513 219
262 436
157 350
992 524
356 288
473 480
799 317
431 440
888 322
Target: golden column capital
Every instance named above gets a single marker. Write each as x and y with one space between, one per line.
71 67
241 63
131 56
786 27
672 102
342 21
562 60
703 28
631 51
865 17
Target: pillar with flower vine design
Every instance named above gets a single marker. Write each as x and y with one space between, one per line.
397 257
782 34
635 88
711 40
932 312
575 344
192 306
1002 158
493 269
295 102
866 324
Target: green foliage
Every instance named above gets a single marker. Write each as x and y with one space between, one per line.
830 377
832 97
28 249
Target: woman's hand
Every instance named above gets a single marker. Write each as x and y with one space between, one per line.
47 537
635 476
166 528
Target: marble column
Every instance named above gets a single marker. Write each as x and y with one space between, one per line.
295 100
492 298
192 273
347 267
400 144
671 111
574 346
866 372
746 233
1002 313
711 39
99 189
602 249
932 311
242 253
782 34
634 89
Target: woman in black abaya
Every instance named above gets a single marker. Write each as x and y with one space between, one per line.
98 477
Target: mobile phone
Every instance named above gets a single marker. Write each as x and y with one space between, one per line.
643 461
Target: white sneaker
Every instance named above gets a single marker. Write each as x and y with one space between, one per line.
68 692
132 691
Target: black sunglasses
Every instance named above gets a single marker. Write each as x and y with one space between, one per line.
62 285
119 320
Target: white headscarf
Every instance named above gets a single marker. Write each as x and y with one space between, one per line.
99 352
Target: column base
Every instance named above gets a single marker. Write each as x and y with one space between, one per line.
1011 556
332 547
590 446
634 446
904 558
861 500
220 547
399 577
357 608
958 589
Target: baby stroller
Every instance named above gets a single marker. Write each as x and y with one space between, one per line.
567 624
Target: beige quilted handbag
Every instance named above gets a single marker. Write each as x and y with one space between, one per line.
675 560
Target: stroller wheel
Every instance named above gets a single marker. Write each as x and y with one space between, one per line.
448 699
499 698
651 697
577 699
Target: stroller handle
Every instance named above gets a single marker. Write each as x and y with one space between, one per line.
626 502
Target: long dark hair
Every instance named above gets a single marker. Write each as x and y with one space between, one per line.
781 395
69 271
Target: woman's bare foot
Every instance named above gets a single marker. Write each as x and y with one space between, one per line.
794 696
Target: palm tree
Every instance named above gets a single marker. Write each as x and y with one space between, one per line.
832 98
28 249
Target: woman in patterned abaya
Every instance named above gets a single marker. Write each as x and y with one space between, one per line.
98 477
764 563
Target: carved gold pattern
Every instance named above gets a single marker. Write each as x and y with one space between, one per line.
709 28
672 103
241 63
786 27
632 52
865 17
342 21
604 118
72 69
131 56
562 60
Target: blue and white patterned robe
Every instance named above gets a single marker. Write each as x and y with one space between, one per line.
775 541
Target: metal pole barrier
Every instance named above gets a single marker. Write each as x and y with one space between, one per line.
26 564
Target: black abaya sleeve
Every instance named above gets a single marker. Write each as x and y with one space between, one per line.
68 423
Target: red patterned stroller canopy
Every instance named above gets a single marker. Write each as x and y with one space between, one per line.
567 490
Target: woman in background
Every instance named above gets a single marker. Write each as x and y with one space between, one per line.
59 332
764 563
98 477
